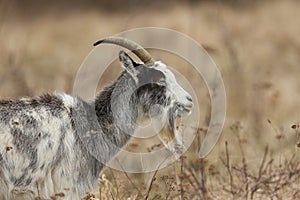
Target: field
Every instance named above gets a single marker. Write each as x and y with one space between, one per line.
256 46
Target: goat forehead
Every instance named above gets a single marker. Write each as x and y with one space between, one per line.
150 75
171 84
169 76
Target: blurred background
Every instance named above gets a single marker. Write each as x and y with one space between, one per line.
255 44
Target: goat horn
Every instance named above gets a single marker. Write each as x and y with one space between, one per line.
130 45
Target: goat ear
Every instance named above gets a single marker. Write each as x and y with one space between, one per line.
128 63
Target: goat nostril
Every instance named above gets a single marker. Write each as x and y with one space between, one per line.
189 98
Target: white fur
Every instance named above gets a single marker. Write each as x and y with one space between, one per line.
172 86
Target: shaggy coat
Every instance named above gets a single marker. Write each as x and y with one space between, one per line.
57 144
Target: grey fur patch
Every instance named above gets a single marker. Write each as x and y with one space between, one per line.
28 181
20 181
60 151
149 76
9 108
42 166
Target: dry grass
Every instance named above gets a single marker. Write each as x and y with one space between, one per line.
269 176
256 47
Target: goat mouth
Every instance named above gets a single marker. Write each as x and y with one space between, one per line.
183 110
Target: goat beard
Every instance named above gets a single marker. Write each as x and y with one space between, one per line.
171 134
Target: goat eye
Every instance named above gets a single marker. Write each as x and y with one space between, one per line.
162 82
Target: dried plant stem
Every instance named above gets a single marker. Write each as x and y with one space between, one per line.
260 172
153 179
203 179
228 167
245 172
181 177
132 183
151 184
114 178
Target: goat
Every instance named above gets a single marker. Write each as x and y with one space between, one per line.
58 144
